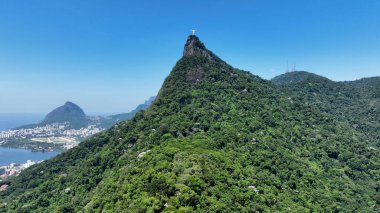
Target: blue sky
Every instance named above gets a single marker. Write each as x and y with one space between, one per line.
109 56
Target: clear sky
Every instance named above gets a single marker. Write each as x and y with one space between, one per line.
109 56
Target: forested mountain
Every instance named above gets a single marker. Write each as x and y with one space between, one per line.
219 139
357 102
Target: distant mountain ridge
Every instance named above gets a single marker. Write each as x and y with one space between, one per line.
129 115
75 118
108 121
305 76
296 77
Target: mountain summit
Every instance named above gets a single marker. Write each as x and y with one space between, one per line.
70 113
297 77
216 139
194 46
65 113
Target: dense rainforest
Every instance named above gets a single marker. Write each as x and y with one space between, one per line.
219 139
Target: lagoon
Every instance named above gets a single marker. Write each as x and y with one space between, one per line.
11 155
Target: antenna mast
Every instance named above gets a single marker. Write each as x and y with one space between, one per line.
287 67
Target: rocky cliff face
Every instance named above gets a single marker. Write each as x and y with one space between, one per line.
194 46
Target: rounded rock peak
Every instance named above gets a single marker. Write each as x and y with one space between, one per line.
194 46
69 103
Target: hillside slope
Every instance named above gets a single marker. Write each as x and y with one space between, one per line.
357 102
216 139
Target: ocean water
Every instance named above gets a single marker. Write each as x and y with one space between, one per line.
10 155
12 120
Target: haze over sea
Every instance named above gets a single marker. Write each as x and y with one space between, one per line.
12 120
